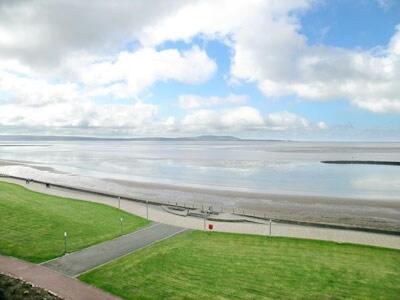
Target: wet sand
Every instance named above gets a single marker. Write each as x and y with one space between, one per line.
383 214
369 213
4 163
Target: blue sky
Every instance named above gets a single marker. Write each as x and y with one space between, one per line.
270 69
342 23
352 24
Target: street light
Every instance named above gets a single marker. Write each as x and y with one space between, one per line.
265 220
122 226
270 227
65 242
147 209
205 218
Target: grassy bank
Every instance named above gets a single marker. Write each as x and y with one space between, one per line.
198 265
32 225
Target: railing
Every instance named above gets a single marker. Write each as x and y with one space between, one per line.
207 209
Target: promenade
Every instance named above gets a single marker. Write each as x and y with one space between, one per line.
157 214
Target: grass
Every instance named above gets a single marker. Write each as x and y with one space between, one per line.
15 289
32 225
199 265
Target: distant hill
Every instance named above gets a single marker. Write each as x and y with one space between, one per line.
51 138
193 138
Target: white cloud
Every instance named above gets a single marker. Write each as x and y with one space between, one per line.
235 119
50 72
245 118
29 91
366 79
215 19
286 120
41 33
84 114
242 117
137 116
282 64
133 72
322 125
31 101
280 60
195 101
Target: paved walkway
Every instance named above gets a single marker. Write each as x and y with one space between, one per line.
49 275
63 286
156 213
82 261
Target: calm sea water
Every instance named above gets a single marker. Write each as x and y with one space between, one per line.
271 167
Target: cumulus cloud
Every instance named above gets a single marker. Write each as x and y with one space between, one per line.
215 19
367 79
322 125
41 33
280 60
245 118
132 72
286 120
28 91
32 101
195 101
137 117
51 73
240 118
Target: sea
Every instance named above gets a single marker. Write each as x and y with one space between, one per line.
273 167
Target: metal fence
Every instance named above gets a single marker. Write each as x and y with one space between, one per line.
207 211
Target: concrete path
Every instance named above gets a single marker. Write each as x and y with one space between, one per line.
158 214
82 261
63 286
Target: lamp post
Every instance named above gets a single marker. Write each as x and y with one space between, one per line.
270 227
119 202
265 219
147 209
122 225
65 242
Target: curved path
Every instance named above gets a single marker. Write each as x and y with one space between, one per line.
49 275
157 214
59 284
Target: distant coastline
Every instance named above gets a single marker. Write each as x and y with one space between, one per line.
362 162
212 138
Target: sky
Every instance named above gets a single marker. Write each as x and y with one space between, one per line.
270 69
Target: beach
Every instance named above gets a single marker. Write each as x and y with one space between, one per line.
277 180
353 212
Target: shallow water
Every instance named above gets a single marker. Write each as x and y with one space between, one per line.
269 167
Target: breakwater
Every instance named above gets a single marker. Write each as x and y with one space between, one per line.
362 162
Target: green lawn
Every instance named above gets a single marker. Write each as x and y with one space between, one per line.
32 224
199 265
